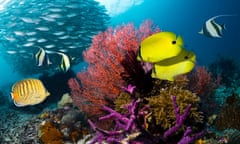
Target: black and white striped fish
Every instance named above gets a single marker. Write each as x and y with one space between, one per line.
65 62
213 29
42 58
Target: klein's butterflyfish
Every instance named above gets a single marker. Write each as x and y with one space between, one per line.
28 92
65 62
168 69
213 29
160 46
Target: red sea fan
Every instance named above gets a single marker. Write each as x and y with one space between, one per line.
101 83
202 82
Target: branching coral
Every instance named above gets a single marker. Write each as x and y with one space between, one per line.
202 82
163 110
129 130
101 82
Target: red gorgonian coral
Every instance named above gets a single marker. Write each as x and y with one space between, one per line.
202 82
101 83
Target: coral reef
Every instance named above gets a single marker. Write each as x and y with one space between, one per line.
65 100
101 83
202 82
163 110
129 129
63 125
228 69
229 115
16 127
232 136
49 134
228 136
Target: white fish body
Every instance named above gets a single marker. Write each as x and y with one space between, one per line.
30 20
11 52
41 40
55 9
19 33
64 37
28 44
9 38
31 33
49 46
213 29
48 19
54 15
58 33
31 39
42 28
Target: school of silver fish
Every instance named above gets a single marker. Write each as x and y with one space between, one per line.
63 27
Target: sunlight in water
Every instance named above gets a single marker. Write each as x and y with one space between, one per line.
116 7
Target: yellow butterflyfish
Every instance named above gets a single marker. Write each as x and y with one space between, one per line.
168 69
160 46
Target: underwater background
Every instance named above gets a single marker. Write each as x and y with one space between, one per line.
80 21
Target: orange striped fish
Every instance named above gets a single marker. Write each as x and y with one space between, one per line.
28 92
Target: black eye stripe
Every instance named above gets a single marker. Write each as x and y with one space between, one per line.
186 57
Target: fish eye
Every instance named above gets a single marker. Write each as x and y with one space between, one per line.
174 42
186 57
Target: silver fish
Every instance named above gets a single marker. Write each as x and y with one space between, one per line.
42 28
11 52
41 40
31 39
19 33
50 46
28 44
26 24
48 19
30 20
31 33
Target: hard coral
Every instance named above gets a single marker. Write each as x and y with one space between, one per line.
49 134
163 110
101 83
122 100
128 128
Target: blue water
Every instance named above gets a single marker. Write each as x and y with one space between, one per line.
183 17
186 18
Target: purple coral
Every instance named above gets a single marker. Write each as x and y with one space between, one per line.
127 127
130 88
186 139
